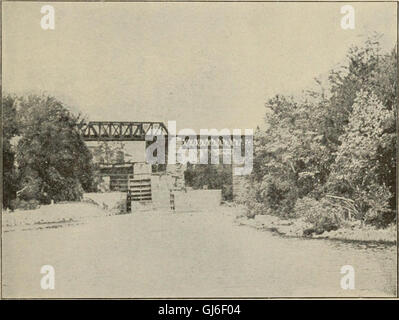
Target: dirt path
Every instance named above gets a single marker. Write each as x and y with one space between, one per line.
186 255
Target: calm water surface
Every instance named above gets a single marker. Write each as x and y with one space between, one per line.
187 255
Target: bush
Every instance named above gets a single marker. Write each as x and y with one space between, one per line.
380 219
278 195
252 206
24 204
379 213
320 213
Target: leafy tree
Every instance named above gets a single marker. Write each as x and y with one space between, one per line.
359 172
336 145
290 154
10 130
53 160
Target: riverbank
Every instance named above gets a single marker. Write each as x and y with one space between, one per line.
52 216
64 213
300 228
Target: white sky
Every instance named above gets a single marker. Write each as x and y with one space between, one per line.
205 65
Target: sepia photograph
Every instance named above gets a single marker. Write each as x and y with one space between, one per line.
199 150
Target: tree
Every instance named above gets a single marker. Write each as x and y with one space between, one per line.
10 130
335 143
109 151
53 160
359 173
290 155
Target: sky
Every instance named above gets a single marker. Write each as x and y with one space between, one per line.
204 65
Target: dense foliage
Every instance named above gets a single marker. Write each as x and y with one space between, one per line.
210 176
108 152
52 162
10 130
330 155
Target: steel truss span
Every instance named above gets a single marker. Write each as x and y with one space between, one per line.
120 131
136 131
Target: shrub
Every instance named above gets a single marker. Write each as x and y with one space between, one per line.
379 213
278 195
252 206
379 219
24 204
320 213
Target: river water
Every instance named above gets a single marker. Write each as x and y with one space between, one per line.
187 255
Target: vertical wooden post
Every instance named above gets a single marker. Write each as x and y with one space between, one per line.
128 202
172 201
